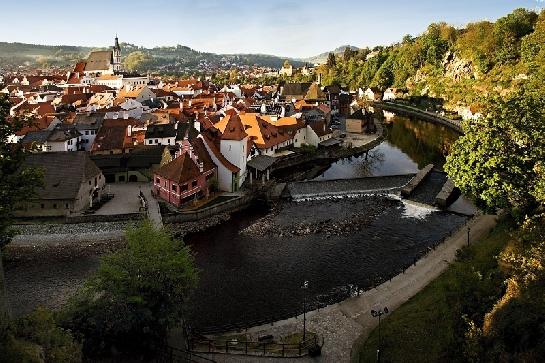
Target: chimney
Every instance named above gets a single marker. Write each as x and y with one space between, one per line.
197 125
201 166
191 151
129 130
125 115
176 126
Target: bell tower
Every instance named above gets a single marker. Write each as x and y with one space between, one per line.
117 56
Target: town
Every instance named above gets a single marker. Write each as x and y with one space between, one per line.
248 197
187 138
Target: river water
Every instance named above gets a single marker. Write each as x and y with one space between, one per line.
252 266
410 145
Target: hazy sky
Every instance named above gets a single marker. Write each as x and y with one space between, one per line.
281 27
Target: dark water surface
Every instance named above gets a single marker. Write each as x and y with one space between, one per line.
253 279
249 279
410 145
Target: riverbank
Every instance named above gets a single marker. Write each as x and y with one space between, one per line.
348 322
48 274
438 300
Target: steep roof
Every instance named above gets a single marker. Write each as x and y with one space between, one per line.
180 170
263 133
99 61
315 92
234 129
208 140
64 172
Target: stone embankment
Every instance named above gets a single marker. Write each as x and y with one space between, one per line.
412 111
416 181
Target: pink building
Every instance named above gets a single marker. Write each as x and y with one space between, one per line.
186 178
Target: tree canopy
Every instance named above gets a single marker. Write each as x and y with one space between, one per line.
136 295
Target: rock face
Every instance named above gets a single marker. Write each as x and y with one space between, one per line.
457 68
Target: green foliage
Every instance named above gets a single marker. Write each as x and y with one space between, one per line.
497 158
38 338
138 60
136 295
442 322
16 184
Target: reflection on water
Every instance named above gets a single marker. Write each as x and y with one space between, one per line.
410 145
251 279
354 243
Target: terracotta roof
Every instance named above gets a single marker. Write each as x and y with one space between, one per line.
208 140
113 135
234 129
180 170
264 134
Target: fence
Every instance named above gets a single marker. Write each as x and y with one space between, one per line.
254 348
195 215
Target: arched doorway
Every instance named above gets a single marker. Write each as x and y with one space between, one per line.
133 178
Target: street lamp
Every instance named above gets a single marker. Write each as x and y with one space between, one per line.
375 314
304 287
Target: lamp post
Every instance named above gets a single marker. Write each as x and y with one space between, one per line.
304 287
375 314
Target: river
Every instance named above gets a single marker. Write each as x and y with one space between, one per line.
252 266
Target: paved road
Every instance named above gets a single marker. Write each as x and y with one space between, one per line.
341 324
126 201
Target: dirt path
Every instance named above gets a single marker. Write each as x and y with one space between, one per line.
342 324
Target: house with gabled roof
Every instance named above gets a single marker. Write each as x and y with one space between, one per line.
187 177
72 182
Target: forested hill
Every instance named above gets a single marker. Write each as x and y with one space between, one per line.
148 58
462 66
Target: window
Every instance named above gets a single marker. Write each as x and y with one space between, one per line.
184 188
151 142
165 183
194 183
43 206
54 206
156 141
157 181
66 206
174 188
86 132
229 147
89 182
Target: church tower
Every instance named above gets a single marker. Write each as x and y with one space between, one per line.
117 56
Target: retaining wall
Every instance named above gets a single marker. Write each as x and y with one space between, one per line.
425 115
232 205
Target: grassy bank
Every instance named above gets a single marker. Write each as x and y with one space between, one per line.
434 324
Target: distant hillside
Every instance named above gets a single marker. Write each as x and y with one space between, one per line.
322 58
173 58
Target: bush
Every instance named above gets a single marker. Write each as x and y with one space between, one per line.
135 297
38 338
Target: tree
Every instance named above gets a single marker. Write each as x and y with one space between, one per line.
136 295
498 160
138 60
331 61
16 185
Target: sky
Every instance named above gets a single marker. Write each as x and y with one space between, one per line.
290 28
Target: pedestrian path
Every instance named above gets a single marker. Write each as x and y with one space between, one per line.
342 324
